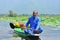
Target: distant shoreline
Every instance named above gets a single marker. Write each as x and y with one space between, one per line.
45 20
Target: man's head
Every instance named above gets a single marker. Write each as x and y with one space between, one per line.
35 13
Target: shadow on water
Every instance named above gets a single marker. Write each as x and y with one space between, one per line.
6 33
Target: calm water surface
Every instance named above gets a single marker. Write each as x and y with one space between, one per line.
6 33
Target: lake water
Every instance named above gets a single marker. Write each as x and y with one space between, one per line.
6 33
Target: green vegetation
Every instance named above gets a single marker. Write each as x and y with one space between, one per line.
13 19
50 20
45 20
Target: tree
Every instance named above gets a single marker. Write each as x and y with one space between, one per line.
12 14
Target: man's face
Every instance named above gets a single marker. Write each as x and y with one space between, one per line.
35 13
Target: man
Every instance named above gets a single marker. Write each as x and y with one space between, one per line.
34 22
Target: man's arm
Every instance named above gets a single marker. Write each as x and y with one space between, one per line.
28 22
38 24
